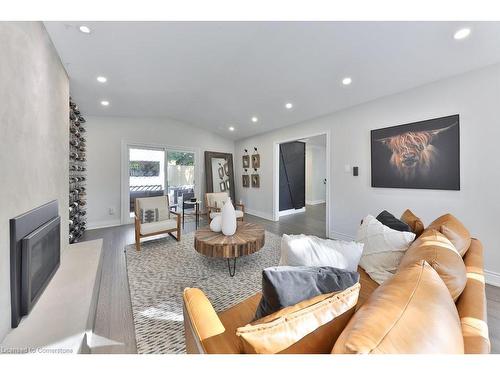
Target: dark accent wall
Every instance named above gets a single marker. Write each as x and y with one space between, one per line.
292 175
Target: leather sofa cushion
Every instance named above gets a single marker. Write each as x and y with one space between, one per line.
409 314
439 252
368 286
472 303
311 326
414 222
454 230
238 214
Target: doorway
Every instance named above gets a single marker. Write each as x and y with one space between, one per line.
301 184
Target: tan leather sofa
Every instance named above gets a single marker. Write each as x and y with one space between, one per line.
207 331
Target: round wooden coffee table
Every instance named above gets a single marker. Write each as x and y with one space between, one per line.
248 239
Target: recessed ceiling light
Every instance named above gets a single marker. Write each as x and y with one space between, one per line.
85 29
462 33
101 79
231 128
347 81
254 119
104 103
288 105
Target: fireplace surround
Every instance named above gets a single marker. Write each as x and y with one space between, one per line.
35 253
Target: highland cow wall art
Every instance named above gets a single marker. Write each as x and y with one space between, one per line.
420 155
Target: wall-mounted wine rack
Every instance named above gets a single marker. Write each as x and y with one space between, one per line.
77 173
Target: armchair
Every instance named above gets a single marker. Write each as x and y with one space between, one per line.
215 201
159 219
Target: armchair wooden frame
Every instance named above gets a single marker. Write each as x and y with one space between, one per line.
138 234
218 209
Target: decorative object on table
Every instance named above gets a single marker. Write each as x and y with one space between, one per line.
304 250
212 183
216 224
246 161
222 186
215 201
246 180
419 155
383 248
221 171
255 161
164 222
77 173
249 238
228 218
255 180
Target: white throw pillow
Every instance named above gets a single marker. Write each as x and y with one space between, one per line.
302 250
383 250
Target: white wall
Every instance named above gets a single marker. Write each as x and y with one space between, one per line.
475 96
315 173
34 136
104 142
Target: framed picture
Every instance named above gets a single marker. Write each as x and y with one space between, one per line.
226 169
222 186
255 180
228 185
221 172
255 161
246 161
246 180
419 155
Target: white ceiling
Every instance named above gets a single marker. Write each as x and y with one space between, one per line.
216 74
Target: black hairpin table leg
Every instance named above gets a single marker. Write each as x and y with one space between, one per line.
231 273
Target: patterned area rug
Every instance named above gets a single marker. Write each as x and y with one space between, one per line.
163 268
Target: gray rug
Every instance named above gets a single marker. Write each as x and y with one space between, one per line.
162 269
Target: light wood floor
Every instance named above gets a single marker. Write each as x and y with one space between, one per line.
114 320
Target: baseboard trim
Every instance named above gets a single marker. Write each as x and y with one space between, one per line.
292 211
492 278
340 236
312 203
260 214
103 224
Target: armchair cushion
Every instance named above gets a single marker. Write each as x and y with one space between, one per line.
217 200
158 226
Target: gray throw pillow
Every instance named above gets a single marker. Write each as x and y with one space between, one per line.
286 286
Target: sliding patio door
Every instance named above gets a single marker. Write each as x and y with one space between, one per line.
151 171
146 177
180 176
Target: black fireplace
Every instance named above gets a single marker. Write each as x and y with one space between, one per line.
35 254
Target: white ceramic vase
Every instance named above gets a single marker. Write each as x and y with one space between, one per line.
216 224
228 218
